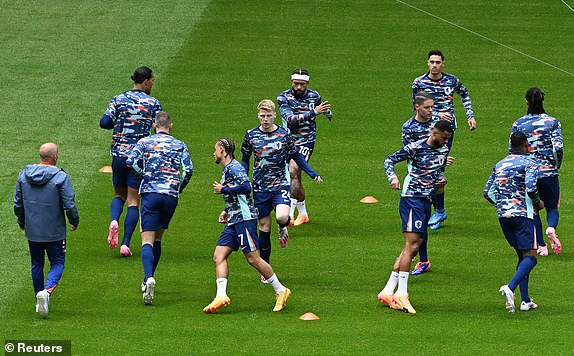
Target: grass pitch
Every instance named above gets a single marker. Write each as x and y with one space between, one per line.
214 60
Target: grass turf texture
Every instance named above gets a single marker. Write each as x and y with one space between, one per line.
63 61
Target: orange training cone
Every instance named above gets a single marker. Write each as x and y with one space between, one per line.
369 200
105 169
309 316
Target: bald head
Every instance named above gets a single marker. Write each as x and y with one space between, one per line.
49 153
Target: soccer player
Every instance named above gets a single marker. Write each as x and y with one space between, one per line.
545 147
415 129
131 116
240 218
167 169
512 189
425 175
43 195
442 86
272 147
300 107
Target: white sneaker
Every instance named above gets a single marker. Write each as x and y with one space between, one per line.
524 306
509 297
42 300
149 291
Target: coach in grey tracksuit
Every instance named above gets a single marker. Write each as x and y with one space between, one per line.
43 194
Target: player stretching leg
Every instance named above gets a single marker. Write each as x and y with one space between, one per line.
240 218
512 189
425 174
299 107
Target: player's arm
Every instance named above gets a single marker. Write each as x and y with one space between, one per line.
242 185
134 157
290 117
489 189
300 160
187 168
246 152
557 146
69 203
19 206
465 96
401 155
107 120
406 137
531 178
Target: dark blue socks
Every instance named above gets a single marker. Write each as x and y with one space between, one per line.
265 245
423 254
538 230
116 208
156 254
523 270
438 202
130 224
552 217
147 261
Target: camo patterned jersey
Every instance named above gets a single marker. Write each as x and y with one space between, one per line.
271 154
299 115
443 90
414 130
164 158
239 207
509 184
544 135
132 113
425 168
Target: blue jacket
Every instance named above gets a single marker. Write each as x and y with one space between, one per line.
43 194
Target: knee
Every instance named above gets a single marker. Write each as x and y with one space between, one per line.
282 219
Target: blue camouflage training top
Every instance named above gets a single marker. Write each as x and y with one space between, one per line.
271 154
132 113
239 207
512 180
425 168
299 115
414 130
442 91
544 135
165 160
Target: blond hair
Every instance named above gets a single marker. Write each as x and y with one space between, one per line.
266 104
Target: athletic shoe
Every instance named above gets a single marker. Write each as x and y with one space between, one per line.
435 226
388 298
143 287
125 251
404 304
264 280
509 297
113 234
526 306
217 303
542 250
283 236
42 300
554 242
281 299
149 291
421 267
301 219
437 218
291 221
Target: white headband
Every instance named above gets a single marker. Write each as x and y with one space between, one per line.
304 77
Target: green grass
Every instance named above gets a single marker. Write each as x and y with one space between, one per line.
63 61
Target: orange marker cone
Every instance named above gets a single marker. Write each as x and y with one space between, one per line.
105 169
309 316
369 200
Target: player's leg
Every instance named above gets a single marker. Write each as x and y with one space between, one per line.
119 181
37 259
167 209
264 205
424 263
401 297
132 216
226 244
542 248
297 192
439 214
549 190
281 201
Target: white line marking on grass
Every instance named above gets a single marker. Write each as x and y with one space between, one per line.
565 3
487 38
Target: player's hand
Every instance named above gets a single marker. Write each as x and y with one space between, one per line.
445 116
222 217
323 107
318 179
217 187
449 160
395 184
472 124
74 227
540 205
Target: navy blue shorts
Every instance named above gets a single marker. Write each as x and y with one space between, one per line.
243 234
415 214
519 232
265 202
122 175
549 191
306 150
157 211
